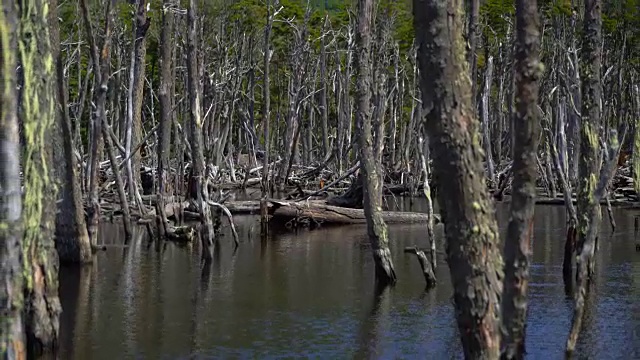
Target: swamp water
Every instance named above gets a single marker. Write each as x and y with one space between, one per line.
312 295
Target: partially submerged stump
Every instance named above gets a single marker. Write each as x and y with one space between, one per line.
426 265
181 234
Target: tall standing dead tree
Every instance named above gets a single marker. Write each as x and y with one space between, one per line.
101 59
166 110
526 128
470 227
376 228
195 123
590 185
139 44
72 239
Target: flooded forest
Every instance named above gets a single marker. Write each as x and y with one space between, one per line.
320 178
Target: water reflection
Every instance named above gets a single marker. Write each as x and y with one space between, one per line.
312 294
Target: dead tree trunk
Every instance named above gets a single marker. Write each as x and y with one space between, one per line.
195 119
470 226
588 204
324 110
376 227
101 59
72 239
526 127
591 119
166 110
472 39
142 23
38 113
124 204
12 339
486 127
266 100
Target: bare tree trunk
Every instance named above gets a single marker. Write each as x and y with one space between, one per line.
142 23
72 239
324 111
166 110
38 114
588 203
266 94
486 127
470 226
472 39
591 121
197 151
12 338
526 127
101 59
124 204
376 228
423 149
573 144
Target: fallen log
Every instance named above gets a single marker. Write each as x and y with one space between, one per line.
319 212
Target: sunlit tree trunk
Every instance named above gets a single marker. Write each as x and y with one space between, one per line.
376 228
38 115
12 339
471 231
72 239
526 127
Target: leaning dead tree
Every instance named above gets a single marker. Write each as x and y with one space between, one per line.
470 226
376 227
526 129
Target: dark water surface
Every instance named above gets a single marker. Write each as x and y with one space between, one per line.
312 295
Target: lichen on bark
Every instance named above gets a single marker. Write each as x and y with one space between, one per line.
471 232
40 261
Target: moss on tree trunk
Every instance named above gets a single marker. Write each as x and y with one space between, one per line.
12 340
38 114
470 227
